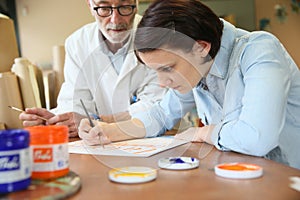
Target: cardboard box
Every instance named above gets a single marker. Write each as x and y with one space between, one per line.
8 43
10 96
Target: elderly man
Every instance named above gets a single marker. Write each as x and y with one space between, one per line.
101 70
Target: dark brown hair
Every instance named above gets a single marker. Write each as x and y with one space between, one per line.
178 24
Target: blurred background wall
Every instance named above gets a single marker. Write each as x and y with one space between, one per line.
42 24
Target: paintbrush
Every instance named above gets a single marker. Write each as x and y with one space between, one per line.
20 110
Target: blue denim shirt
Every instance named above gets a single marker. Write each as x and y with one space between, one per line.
251 94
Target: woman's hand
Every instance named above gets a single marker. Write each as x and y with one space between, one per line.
92 135
197 134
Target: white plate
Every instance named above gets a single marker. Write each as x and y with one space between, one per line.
132 174
238 170
178 163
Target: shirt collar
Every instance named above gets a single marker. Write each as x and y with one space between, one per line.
220 65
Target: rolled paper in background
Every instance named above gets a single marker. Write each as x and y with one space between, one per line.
58 52
37 76
50 96
10 96
29 84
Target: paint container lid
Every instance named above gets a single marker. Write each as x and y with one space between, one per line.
14 139
238 170
132 174
178 163
52 134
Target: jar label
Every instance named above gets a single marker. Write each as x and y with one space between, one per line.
42 155
14 166
50 157
9 162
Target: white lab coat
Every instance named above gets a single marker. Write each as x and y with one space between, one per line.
90 76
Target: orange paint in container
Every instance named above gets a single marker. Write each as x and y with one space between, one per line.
49 150
238 170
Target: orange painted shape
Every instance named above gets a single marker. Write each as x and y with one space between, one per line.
239 167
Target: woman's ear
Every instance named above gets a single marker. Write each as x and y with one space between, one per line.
202 48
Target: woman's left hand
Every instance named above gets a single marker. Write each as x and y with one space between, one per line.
197 134
190 134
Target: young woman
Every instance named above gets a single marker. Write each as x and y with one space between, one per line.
245 85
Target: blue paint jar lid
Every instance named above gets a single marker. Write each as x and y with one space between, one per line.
178 163
14 139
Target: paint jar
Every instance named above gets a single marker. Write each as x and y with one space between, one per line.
15 163
49 151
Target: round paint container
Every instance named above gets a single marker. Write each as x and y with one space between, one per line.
178 163
132 174
49 151
238 170
15 163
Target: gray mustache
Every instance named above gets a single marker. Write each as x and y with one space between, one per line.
116 26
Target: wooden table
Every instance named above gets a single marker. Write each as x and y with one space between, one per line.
199 183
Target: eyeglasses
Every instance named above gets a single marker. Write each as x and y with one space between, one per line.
105 11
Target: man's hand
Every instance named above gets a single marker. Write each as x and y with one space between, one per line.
70 119
30 116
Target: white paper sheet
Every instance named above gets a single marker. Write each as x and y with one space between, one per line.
134 148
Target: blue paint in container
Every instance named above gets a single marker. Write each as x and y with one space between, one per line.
15 164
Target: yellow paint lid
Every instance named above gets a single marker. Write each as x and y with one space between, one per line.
132 174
